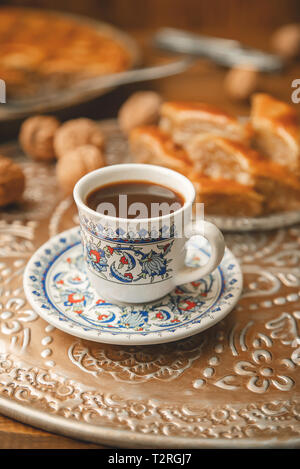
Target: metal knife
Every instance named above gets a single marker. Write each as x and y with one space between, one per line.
226 52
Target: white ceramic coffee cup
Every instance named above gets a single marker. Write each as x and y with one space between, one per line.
141 260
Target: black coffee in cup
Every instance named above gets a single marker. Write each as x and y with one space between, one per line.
134 199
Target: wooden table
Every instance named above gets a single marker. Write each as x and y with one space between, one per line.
204 81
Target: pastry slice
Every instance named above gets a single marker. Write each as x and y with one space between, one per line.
223 197
186 120
222 158
149 144
276 130
219 158
279 187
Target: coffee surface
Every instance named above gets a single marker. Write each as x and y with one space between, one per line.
134 199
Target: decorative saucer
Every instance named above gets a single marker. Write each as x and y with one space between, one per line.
57 287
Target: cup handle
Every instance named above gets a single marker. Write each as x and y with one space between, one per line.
217 243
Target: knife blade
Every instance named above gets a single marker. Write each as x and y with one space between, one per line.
226 52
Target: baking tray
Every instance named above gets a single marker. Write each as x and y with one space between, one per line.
13 110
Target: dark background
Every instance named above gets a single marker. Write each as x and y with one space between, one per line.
223 15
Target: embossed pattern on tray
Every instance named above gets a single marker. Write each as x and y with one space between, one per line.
234 385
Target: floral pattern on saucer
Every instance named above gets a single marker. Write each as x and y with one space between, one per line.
58 288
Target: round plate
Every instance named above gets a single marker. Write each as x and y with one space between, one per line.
59 290
243 224
63 99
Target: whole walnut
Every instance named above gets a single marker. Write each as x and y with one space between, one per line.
75 164
75 133
286 41
36 137
241 82
12 181
141 108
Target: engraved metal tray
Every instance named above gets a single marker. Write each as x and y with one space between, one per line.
235 385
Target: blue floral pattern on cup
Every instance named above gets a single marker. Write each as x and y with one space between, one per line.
128 263
131 235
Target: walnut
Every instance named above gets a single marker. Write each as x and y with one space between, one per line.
286 41
36 137
75 133
75 164
12 181
141 108
241 82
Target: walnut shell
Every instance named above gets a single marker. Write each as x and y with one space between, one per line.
141 108
75 164
12 181
36 137
286 41
75 133
241 82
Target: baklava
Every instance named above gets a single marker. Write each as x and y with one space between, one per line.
218 158
224 197
186 120
222 158
150 145
279 187
45 51
276 130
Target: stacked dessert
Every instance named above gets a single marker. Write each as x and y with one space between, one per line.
238 168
